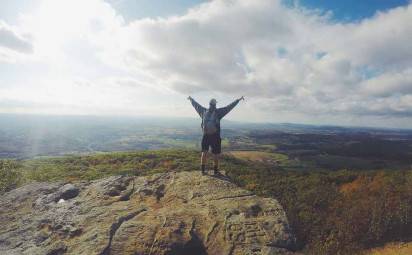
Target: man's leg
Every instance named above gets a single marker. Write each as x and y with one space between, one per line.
216 149
203 158
203 161
216 163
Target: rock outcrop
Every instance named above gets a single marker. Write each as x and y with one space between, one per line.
172 213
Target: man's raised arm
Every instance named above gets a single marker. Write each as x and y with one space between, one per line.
225 110
200 109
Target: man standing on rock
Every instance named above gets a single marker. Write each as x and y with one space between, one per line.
211 129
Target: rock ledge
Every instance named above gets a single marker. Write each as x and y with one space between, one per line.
171 213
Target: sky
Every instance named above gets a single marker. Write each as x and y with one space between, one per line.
309 61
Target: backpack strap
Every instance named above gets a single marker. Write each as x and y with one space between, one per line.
203 118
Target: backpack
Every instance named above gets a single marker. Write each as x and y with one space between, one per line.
209 123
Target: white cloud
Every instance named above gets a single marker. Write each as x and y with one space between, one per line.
389 84
290 61
295 59
12 40
12 43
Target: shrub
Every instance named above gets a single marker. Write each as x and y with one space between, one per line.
10 177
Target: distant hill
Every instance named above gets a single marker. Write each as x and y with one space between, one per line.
325 147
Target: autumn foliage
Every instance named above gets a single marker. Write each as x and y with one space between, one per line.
341 212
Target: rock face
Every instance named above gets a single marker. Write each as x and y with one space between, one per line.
171 213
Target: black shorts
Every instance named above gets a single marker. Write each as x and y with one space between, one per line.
213 141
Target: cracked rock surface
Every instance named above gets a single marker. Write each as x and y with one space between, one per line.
172 213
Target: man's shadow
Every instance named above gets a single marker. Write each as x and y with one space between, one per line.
221 176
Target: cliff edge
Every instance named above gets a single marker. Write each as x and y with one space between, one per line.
171 213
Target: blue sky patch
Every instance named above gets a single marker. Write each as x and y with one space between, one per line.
350 10
137 9
321 54
282 52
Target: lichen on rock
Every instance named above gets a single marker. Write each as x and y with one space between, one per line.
169 213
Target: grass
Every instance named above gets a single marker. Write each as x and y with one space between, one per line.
392 249
259 156
268 147
272 159
95 166
10 176
100 165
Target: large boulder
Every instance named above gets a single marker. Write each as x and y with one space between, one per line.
171 213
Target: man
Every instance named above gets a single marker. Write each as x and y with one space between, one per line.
211 129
